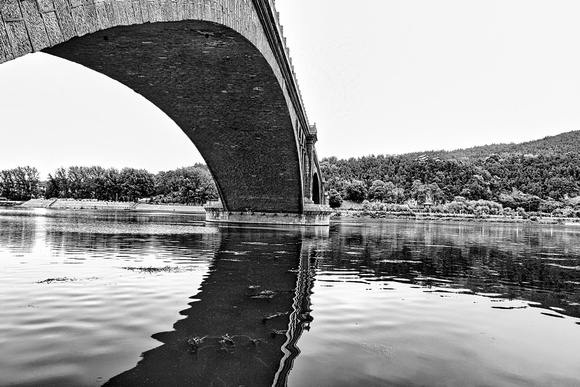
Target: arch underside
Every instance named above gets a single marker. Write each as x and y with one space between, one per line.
221 92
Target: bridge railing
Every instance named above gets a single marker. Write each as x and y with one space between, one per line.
274 32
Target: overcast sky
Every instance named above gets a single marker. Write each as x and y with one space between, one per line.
376 76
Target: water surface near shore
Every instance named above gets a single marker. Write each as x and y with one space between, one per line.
92 298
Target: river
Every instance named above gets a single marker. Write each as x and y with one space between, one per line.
136 299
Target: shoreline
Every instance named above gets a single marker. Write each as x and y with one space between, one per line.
427 216
10 203
73 204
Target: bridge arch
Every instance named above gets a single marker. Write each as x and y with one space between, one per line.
316 192
218 68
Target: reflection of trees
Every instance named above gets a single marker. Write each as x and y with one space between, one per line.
110 234
120 244
18 231
524 262
235 330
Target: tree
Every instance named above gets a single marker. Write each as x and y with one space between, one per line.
185 185
111 185
549 206
477 188
424 193
7 187
378 190
394 194
518 199
20 183
560 188
356 191
334 199
136 184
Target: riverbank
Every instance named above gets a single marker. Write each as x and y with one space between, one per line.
10 203
426 216
71 204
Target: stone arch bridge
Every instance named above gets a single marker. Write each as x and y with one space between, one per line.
219 68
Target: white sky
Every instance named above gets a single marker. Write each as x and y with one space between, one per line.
377 77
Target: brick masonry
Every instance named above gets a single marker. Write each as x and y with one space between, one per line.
218 68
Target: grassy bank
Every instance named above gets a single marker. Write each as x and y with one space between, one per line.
426 216
351 209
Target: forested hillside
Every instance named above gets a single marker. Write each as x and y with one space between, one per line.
559 144
540 175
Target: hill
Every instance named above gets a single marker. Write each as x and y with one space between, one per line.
551 145
541 175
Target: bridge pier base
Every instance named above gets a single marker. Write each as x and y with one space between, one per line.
313 215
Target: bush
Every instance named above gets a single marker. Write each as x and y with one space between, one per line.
356 191
334 199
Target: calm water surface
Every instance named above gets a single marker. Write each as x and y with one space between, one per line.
127 299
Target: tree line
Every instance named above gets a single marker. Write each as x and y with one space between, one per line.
187 185
470 180
20 183
540 182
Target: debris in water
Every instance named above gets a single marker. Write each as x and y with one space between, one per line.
151 269
59 279
194 343
264 294
227 343
276 332
272 316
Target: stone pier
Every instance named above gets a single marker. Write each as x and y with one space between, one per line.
313 215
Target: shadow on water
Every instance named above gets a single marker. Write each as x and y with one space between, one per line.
242 328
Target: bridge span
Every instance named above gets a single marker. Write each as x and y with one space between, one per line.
219 68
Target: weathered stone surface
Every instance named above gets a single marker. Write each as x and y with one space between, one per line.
144 12
11 11
45 6
34 24
64 15
154 11
52 28
80 20
91 17
5 47
102 15
167 10
18 37
138 12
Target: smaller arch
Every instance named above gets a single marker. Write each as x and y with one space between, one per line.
316 189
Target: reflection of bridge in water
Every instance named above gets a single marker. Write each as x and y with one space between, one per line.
243 326
219 69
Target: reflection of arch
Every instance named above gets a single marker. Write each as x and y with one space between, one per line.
233 332
300 317
316 189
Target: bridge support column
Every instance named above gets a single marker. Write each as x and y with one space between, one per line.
313 215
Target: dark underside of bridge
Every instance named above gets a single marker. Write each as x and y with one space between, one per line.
223 94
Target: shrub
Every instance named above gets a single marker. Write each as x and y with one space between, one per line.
334 199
